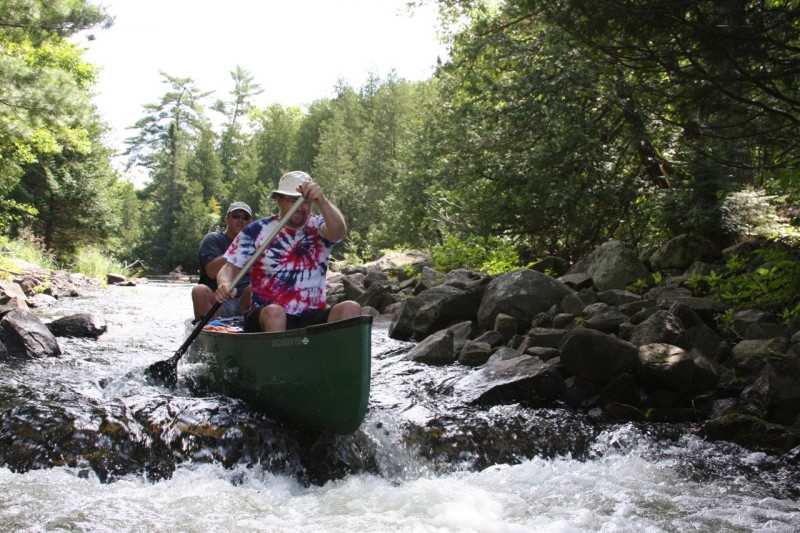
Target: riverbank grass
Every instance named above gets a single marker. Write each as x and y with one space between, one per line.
93 263
27 252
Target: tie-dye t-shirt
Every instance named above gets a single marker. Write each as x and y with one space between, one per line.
291 271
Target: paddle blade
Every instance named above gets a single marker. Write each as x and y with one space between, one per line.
163 372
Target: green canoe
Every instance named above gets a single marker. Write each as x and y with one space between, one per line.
319 376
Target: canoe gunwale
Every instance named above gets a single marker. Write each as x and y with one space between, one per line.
310 330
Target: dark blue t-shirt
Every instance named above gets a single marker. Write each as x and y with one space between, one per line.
214 245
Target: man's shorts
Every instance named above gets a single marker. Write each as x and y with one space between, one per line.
230 308
312 318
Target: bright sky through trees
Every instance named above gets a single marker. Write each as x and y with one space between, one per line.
297 50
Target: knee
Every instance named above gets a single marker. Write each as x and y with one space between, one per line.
200 292
272 318
347 309
272 312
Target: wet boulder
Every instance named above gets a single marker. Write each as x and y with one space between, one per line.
523 379
26 336
436 349
79 325
442 347
751 432
475 353
41 299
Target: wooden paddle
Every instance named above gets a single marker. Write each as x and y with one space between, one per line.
166 371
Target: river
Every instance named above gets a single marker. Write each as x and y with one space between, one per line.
80 433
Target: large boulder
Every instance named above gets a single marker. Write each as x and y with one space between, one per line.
522 294
749 356
80 325
613 265
662 366
443 305
660 327
11 294
434 309
774 394
378 296
436 350
524 379
27 337
681 252
596 356
442 347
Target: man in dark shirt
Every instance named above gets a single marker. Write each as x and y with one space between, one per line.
212 247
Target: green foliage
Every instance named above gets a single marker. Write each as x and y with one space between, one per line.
568 122
488 254
46 107
753 213
552 125
774 285
27 247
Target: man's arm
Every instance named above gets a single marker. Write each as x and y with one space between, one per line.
225 289
335 227
212 249
213 267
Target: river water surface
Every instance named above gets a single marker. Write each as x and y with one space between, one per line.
625 479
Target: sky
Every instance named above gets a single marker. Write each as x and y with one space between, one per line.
296 50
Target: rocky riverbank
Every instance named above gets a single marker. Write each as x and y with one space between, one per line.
22 334
577 336
571 336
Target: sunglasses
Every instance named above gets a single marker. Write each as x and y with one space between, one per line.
240 217
292 199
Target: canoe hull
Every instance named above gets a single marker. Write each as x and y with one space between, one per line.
319 376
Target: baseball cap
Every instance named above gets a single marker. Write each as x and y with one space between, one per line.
239 206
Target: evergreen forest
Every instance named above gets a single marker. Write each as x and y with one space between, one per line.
550 128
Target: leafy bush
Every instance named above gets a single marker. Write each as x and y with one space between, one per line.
773 286
488 254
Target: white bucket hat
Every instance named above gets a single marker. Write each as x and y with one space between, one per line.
289 183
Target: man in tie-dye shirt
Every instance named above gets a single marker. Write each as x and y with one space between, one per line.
288 279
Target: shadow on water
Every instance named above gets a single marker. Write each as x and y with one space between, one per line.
93 411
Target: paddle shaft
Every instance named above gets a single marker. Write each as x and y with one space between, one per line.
245 269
